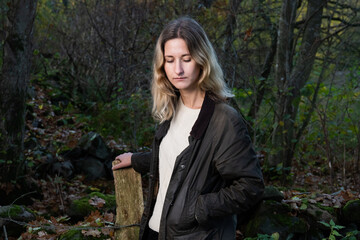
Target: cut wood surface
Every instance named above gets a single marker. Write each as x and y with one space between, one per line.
129 203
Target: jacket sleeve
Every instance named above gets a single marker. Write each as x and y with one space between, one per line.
237 163
141 162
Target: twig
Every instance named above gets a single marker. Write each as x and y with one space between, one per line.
16 200
58 187
22 196
5 233
51 227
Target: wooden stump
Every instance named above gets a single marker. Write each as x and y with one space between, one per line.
129 202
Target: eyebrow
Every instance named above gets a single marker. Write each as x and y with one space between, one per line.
184 55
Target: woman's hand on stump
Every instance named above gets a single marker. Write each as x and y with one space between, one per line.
122 161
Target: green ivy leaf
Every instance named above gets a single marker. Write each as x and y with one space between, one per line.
325 224
332 223
336 233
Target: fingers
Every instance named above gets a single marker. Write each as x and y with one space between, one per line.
117 166
118 158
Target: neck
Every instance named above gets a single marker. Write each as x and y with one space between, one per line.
193 99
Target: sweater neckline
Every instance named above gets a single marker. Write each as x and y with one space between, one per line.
201 122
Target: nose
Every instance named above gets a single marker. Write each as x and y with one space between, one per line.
179 70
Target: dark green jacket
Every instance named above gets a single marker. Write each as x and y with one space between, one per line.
216 177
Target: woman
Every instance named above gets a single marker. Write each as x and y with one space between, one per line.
203 169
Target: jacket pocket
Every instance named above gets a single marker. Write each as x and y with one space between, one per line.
182 214
188 214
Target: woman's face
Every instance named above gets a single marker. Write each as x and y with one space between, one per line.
180 68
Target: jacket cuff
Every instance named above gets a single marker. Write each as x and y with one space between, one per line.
141 162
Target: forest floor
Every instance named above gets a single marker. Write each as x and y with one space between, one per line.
53 130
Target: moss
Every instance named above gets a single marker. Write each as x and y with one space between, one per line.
81 207
294 224
72 235
330 210
11 211
273 217
281 188
318 214
351 212
273 193
351 202
280 207
110 200
281 223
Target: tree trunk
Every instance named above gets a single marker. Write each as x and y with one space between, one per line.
228 48
14 80
282 75
129 203
292 79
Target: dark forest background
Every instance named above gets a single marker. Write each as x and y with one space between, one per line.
72 67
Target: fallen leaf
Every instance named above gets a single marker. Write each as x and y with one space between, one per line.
107 231
109 217
97 202
91 232
347 195
42 233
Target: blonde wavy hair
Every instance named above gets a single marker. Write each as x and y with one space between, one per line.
211 80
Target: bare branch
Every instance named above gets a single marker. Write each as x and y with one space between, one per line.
104 40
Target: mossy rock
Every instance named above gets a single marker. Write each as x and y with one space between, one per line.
330 210
313 215
272 193
81 207
93 144
317 213
273 216
351 212
10 211
18 213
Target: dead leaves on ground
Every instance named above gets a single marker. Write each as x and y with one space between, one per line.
96 225
57 195
298 200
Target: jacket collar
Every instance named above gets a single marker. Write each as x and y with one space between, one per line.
201 124
203 120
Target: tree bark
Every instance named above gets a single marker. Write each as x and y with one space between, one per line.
290 80
228 48
282 75
14 80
